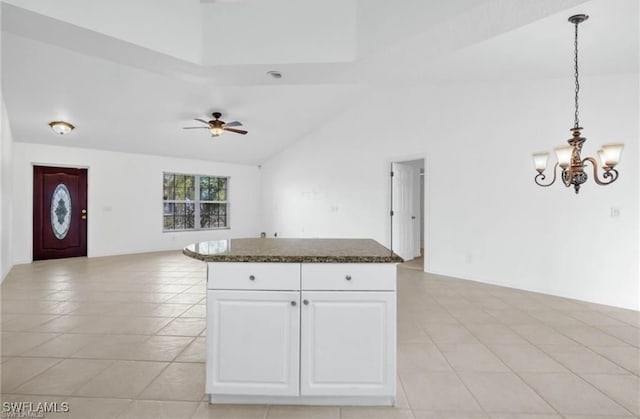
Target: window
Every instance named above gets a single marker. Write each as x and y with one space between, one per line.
193 202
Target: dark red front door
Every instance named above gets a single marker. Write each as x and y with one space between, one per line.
59 212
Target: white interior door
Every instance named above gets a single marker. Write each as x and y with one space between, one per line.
405 204
253 342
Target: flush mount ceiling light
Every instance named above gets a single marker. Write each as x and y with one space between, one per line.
61 127
569 159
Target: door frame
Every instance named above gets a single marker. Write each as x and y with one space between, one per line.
32 206
426 215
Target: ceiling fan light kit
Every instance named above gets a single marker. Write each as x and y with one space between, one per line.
216 131
216 127
569 157
61 127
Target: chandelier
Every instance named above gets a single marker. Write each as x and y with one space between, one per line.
571 163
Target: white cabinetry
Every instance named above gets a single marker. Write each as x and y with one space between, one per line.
301 333
347 343
253 342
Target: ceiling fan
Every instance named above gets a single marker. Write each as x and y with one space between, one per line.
217 127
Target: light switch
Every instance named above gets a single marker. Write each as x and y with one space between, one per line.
615 212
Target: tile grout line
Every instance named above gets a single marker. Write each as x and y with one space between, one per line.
79 396
451 366
507 365
542 350
35 376
82 384
576 343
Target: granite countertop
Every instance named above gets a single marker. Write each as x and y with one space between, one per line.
292 251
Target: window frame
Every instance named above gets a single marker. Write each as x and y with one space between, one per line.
196 203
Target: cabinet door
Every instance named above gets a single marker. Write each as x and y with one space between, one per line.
253 342
348 343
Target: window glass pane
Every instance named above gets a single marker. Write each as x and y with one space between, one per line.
184 187
190 187
213 189
168 189
184 216
222 189
179 216
213 215
204 189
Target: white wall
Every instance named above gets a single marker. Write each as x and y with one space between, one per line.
485 218
169 26
5 186
6 142
125 199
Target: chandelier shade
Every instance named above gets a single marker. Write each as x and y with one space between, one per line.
563 154
610 155
540 161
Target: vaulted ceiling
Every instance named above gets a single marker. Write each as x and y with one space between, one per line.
131 73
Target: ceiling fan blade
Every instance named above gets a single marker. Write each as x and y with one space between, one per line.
233 124
237 131
195 127
202 120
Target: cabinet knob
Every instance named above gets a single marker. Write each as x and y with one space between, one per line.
252 278
293 303
306 302
348 277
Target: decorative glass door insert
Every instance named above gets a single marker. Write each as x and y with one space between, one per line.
61 211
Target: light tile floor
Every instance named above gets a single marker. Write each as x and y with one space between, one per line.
123 337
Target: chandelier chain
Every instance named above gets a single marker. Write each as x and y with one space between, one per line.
575 61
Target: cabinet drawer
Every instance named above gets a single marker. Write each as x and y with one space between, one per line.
253 276
349 276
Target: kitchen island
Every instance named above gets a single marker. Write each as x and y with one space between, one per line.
300 321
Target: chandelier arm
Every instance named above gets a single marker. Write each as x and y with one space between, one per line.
566 177
609 176
540 177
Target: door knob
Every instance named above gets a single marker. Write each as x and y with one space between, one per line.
348 277
293 303
84 211
413 217
305 302
252 278
84 217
